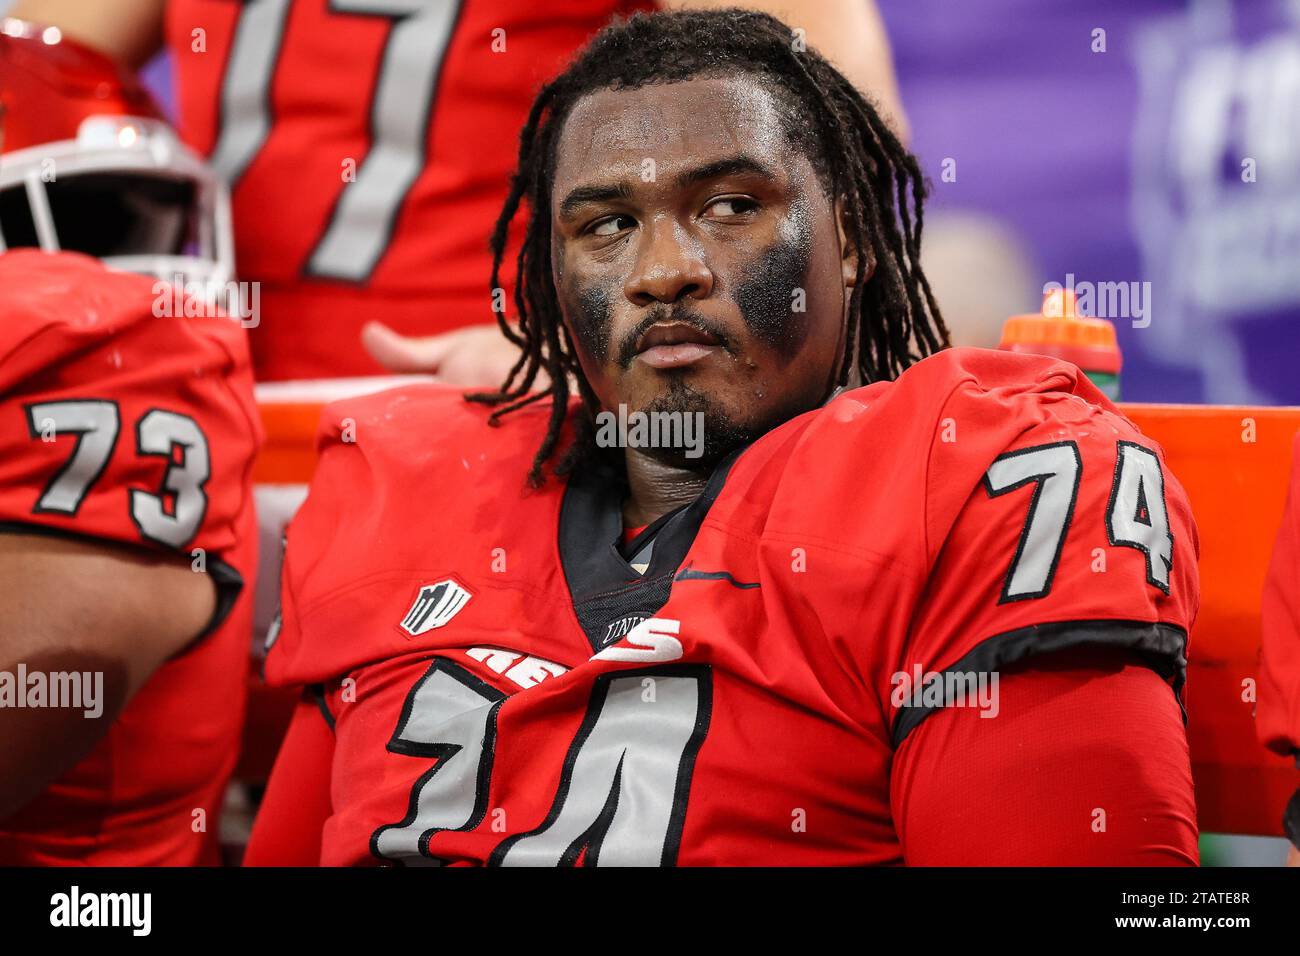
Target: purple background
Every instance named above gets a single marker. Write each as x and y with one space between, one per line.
1118 166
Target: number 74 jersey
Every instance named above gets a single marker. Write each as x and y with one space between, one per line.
504 689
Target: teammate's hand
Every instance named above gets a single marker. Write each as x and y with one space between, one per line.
1293 857
477 356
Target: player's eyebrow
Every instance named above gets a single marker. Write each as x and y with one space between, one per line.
729 166
592 194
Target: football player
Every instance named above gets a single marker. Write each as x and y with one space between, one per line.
127 430
368 146
870 601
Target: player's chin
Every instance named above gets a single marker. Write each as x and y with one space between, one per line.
706 421
701 449
704 388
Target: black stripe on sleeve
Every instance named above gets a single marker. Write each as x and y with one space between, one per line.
227 581
1162 646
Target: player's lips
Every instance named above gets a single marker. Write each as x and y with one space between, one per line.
674 345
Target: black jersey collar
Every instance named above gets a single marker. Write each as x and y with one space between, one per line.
603 587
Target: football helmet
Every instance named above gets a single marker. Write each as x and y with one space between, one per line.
88 164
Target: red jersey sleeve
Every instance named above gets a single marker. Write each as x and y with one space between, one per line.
293 813
1278 713
1050 523
1085 765
119 421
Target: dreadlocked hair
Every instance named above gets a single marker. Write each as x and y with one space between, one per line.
893 320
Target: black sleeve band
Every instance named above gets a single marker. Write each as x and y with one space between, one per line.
229 584
1162 646
1291 820
227 581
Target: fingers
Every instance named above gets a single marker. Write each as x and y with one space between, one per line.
401 353
472 357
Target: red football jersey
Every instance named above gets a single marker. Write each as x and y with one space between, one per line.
122 426
369 147
504 689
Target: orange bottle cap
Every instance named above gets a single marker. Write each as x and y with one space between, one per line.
1061 332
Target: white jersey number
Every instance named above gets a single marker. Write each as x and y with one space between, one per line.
171 516
361 224
1136 516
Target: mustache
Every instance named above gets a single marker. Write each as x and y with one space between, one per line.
677 313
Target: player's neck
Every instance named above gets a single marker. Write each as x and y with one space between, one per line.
656 488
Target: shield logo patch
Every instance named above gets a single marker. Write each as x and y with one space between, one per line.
434 606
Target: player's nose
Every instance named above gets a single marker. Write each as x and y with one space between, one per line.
670 266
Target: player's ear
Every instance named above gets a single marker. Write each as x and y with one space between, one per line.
849 250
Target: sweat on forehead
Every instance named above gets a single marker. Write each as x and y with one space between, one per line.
704 117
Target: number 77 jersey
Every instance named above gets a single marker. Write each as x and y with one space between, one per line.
368 145
503 688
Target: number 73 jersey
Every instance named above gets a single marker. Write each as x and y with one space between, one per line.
122 424
504 689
